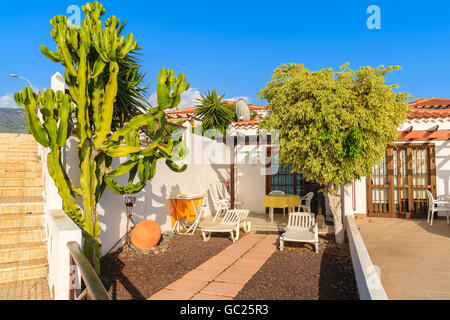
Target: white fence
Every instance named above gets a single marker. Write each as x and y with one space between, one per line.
366 274
61 276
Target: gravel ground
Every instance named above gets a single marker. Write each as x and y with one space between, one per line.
298 273
138 276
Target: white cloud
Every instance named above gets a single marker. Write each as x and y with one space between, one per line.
189 99
7 101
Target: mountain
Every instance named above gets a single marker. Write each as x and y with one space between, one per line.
13 121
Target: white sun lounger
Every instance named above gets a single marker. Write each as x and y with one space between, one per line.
302 227
231 222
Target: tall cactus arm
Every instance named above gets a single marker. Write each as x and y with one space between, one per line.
97 101
123 168
52 56
47 107
121 150
60 35
134 124
65 121
27 100
83 116
116 188
58 175
108 107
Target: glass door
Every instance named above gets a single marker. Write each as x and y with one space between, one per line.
398 183
380 189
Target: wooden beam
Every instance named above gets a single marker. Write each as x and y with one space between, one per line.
232 175
409 129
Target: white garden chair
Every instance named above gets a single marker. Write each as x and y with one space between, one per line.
305 203
220 205
200 211
278 192
301 227
232 222
436 206
223 194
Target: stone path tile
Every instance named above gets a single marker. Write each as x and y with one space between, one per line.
223 289
201 296
202 275
234 277
224 275
166 294
188 285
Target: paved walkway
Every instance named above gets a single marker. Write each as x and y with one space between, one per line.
223 276
413 257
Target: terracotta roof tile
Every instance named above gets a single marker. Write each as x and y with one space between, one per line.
431 102
420 113
251 123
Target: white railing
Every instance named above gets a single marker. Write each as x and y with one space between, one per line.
61 230
366 274
94 289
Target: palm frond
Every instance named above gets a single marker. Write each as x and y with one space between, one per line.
214 112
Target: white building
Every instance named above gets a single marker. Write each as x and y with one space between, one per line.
419 162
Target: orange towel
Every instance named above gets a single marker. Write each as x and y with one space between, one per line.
183 209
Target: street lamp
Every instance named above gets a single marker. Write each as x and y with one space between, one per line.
17 76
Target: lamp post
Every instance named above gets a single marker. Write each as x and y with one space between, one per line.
17 76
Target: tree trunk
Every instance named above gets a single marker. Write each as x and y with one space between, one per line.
334 199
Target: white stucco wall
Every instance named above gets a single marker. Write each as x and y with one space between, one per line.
152 203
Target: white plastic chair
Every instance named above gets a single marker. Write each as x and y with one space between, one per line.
191 229
275 192
220 205
307 202
278 192
301 227
232 222
436 206
223 194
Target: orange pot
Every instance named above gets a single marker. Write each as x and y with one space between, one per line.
146 234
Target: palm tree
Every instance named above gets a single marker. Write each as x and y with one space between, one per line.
132 93
214 112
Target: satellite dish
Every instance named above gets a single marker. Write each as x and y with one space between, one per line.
242 110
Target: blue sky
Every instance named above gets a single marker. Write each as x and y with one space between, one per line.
234 46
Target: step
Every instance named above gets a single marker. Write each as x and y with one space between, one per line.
21 192
27 220
17 141
23 270
20 166
6 156
23 252
16 135
21 174
21 205
20 182
19 147
21 235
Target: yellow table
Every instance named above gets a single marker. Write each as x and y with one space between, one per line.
185 207
280 201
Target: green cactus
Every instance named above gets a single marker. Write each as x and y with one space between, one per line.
91 56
